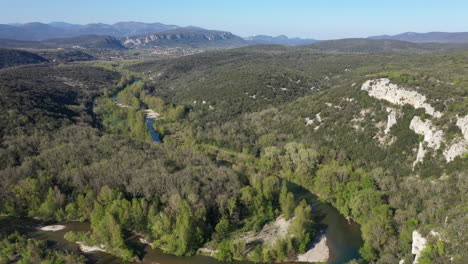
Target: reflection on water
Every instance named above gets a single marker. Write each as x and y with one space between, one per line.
154 135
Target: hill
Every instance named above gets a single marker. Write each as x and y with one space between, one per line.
442 37
10 58
378 45
194 38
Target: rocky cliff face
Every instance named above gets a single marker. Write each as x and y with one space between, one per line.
433 137
384 90
192 38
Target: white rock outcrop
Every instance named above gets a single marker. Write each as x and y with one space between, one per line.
462 123
418 245
384 90
391 120
432 136
460 146
455 150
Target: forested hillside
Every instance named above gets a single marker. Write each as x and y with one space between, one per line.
249 135
315 108
10 58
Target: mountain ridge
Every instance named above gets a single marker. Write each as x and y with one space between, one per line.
442 37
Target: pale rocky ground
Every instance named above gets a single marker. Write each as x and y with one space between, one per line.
52 228
384 90
279 229
433 137
151 114
418 245
85 248
270 232
319 253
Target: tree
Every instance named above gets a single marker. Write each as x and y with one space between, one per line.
287 202
225 251
52 204
223 226
302 226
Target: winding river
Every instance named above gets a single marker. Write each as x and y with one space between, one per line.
343 237
148 121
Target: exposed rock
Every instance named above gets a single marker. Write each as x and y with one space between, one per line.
207 251
52 228
384 90
462 123
85 248
432 136
420 155
418 245
151 114
318 253
270 232
391 120
455 150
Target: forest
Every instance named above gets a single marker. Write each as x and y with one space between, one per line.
235 141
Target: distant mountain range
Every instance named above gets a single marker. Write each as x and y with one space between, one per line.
124 35
443 37
361 45
84 41
40 31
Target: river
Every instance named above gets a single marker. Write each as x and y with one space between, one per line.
155 137
343 237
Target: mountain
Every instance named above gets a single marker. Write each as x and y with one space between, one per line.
60 24
84 41
10 58
40 31
443 37
138 28
381 45
281 40
198 38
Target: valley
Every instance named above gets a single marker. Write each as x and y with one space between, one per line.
155 143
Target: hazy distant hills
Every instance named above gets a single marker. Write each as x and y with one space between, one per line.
129 35
443 37
84 41
40 31
281 40
360 45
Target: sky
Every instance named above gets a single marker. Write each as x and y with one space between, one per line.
319 19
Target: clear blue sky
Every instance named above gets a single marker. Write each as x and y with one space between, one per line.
321 19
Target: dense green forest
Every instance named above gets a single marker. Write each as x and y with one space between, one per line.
341 160
237 138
